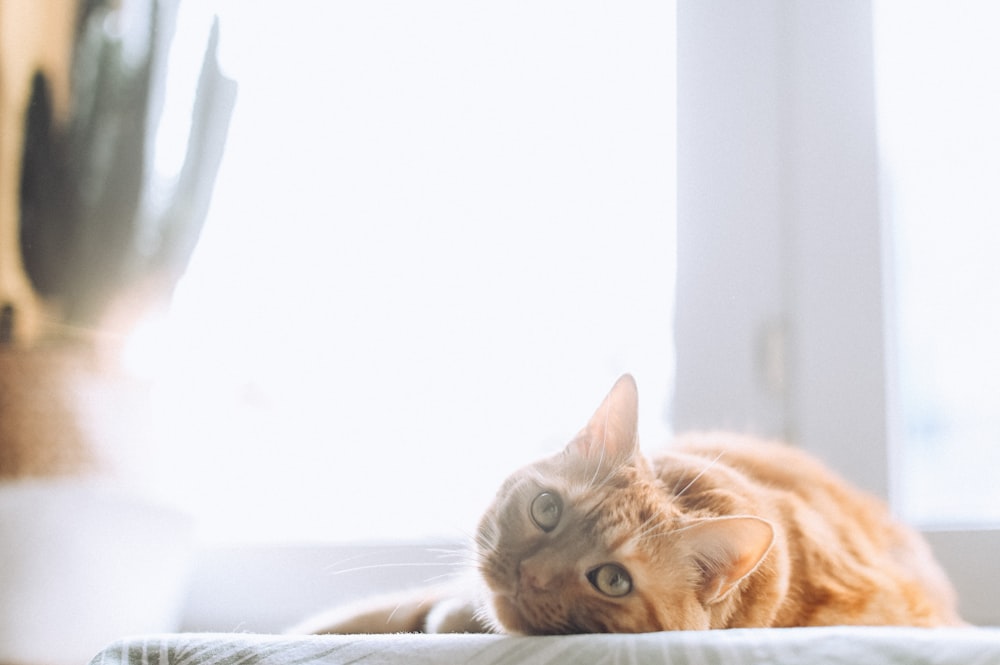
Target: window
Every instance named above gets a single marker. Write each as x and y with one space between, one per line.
786 318
940 149
440 231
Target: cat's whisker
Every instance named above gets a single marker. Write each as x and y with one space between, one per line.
468 557
652 536
378 566
484 615
650 520
604 446
700 474
487 535
457 574
443 553
388 619
599 464
330 567
595 482
540 478
653 523
482 541
611 473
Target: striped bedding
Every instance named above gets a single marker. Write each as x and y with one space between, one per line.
812 646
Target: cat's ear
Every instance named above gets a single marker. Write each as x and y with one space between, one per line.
611 435
726 550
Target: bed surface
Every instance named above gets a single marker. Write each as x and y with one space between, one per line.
812 646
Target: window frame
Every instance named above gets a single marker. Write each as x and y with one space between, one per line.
781 323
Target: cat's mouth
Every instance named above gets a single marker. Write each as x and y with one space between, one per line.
509 615
506 611
519 619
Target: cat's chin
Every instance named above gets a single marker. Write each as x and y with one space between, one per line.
509 616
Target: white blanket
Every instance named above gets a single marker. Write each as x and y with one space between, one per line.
793 646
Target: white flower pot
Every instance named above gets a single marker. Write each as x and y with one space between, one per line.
82 565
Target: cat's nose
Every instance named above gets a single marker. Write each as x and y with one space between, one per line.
532 577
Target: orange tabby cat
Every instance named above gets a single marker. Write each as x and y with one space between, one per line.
718 531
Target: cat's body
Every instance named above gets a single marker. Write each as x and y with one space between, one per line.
837 556
717 531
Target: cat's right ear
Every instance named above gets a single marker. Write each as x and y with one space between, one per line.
726 550
612 434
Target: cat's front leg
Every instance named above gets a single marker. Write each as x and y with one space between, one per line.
456 615
430 610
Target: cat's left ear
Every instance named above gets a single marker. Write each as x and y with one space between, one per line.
612 434
726 550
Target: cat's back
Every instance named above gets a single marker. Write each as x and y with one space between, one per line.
837 536
769 465
763 471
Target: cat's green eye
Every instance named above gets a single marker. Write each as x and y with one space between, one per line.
546 509
611 580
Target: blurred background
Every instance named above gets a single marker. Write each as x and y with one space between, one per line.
285 293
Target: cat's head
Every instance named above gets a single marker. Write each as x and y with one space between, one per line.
590 541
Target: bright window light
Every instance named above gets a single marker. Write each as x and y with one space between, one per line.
440 232
939 99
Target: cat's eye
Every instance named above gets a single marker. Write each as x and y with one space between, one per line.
546 509
611 580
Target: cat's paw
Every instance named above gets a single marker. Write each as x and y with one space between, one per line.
455 615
